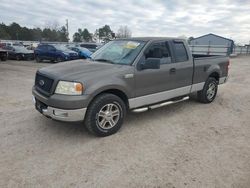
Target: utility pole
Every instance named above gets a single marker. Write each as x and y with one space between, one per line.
67 28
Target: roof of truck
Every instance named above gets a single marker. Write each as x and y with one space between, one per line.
145 39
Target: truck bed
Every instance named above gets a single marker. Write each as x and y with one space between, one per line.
203 63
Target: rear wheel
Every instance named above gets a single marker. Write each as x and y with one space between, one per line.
208 94
4 58
105 115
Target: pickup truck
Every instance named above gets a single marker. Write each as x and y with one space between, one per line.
134 74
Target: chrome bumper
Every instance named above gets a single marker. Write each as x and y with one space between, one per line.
61 114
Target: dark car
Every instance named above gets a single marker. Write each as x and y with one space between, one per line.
54 53
82 52
19 53
91 46
3 54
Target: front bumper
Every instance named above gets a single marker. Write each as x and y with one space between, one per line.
60 114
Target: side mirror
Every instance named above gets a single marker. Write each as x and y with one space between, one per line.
151 63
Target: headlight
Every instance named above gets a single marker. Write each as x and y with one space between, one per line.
65 53
69 88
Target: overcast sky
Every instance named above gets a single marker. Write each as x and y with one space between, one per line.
228 18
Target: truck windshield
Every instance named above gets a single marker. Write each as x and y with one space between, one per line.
119 52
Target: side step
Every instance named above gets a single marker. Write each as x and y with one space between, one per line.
143 109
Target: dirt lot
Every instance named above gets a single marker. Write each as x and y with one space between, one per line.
183 145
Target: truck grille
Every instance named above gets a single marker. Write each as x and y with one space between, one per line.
44 83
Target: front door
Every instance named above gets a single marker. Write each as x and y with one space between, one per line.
172 79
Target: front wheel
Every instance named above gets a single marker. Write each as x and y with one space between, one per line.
105 115
18 57
38 59
59 59
208 94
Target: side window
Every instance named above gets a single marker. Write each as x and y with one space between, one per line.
180 52
42 47
50 48
159 50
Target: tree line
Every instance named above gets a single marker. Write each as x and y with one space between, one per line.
16 32
103 33
57 33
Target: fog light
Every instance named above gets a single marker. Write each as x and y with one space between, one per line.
60 113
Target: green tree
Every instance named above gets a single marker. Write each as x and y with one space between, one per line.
87 37
63 34
49 35
77 37
105 33
3 33
14 30
37 34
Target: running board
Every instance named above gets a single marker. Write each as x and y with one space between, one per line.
143 109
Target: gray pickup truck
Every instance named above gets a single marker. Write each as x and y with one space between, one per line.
126 74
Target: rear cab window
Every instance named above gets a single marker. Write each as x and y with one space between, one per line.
180 51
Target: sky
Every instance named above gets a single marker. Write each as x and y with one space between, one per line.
173 18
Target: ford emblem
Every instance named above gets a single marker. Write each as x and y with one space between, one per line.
41 82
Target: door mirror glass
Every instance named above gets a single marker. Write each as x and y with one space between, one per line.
151 63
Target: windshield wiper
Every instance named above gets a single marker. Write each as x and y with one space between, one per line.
104 60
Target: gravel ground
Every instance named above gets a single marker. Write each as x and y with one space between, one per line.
183 145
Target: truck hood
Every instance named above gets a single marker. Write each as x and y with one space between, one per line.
80 69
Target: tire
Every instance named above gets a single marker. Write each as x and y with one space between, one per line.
18 57
59 59
208 94
101 123
38 59
4 58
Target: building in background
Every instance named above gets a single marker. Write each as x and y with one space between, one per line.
213 40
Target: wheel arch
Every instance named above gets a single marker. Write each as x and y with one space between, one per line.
215 75
118 92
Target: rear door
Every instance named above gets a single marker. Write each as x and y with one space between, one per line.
51 52
183 64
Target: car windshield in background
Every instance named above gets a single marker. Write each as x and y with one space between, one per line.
118 52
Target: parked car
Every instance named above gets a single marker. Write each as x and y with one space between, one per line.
126 74
3 54
54 53
19 53
91 46
82 52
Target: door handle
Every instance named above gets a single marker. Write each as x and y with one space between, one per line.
172 71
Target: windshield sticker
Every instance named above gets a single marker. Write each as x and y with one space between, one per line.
131 45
